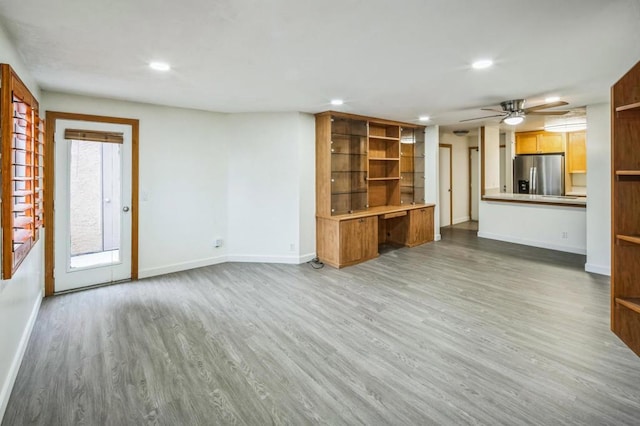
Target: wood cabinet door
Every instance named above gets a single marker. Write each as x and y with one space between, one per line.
420 226
526 143
577 152
358 239
550 142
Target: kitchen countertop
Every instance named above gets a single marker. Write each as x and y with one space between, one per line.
571 201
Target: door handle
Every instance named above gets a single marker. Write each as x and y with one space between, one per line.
125 209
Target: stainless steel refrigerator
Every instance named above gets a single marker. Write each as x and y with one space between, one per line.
541 174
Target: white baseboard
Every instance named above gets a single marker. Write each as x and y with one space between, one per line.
257 258
534 243
306 257
17 358
182 266
461 220
437 237
597 269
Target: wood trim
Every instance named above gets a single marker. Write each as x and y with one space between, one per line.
7 259
482 172
368 118
450 148
471 148
94 136
614 231
51 119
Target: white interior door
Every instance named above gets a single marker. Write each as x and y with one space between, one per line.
92 207
445 185
475 179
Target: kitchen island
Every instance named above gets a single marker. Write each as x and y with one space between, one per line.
552 222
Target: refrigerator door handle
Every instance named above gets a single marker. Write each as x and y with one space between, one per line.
534 182
531 180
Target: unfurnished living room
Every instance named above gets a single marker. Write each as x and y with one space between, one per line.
340 212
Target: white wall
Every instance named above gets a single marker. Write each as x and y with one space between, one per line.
534 225
460 172
270 191
492 159
307 180
20 296
183 175
510 149
431 142
599 187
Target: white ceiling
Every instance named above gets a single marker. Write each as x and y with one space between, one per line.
393 59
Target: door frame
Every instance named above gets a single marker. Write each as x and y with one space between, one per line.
49 178
450 147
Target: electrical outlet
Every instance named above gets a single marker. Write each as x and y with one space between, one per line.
565 235
218 242
292 247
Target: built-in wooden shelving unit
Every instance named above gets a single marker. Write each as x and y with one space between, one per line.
369 187
625 209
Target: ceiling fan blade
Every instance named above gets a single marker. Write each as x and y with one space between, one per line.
545 106
480 118
494 110
548 112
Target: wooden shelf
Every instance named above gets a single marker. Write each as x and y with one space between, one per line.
627 172
631 303
628 107
384 138
385 178
383 159
629 238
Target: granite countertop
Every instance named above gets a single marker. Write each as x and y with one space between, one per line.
539 199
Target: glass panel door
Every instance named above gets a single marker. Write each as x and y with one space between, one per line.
94 203
348 165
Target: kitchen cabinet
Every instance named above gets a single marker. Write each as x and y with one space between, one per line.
577 152
625 209
539 142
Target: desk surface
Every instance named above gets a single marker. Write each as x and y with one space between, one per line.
376 211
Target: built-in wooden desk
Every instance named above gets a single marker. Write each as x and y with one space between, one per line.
347 239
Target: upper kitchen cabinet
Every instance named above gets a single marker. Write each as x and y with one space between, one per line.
625 209
577 152
539 142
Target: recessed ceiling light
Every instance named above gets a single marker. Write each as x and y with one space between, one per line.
482 64
160 66
337 101
552 99
424 118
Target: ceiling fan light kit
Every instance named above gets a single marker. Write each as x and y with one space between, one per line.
513 119
513 111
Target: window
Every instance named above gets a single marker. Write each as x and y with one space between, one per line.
22 139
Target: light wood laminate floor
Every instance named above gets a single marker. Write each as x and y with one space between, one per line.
463 331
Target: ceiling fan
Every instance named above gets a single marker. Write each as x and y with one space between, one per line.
513 111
